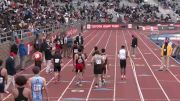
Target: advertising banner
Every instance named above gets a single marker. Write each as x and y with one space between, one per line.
103 26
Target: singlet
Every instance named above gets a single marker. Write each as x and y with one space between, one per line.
98 60
75 49
122 54
36 87
80 59
21 97
2 79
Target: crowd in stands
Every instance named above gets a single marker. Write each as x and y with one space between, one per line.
15 15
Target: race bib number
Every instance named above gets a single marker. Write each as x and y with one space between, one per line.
57 60
1 80
75 50
37 56
98 61
80 60
61 41
37 87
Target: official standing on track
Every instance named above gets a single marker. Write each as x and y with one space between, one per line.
134 45
3 80
37 85
123 57
166 52
22 54
21 93
97 61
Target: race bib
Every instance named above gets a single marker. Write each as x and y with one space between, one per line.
1 80
61 41
37 87
75 50
37 56
57 60
98 61
80 60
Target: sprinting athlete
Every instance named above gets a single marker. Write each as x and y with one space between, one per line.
79 61
38 85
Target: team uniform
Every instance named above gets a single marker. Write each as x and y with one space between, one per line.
37 86
98 65
75 50
21 97
123 57
38 59
57 62
80 64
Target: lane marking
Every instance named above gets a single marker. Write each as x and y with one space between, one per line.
147 53
137 58
139 65
144 75
115 72
77 91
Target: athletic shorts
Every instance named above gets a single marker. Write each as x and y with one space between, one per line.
123 63
57 68
98 69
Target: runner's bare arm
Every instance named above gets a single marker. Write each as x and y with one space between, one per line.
30 95
45 88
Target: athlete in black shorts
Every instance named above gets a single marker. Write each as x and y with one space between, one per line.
57 61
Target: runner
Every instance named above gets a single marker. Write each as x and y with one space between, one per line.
105 65
97 61
79 61
123 56
57 61
21 93
37 57
3 80
38 85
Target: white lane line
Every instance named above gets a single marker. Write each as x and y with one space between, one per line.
115 72
134 71
59 99
87 98
45 68
153 73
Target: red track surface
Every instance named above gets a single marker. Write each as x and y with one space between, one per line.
143 82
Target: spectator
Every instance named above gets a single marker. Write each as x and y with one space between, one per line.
22 54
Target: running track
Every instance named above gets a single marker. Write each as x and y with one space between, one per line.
144 82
